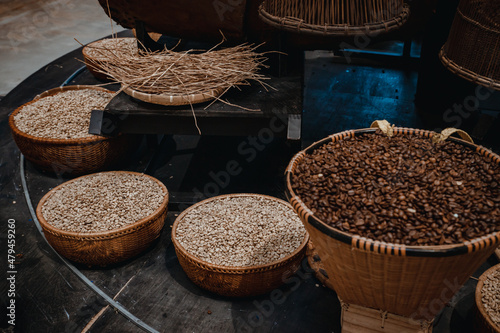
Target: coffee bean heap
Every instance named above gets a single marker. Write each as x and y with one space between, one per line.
404 189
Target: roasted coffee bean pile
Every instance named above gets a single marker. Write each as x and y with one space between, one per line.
404 189
490 296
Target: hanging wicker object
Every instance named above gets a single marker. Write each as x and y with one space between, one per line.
335 17
472 50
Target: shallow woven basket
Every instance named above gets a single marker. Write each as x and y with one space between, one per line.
237 281
410 281
335 17
71 156
92 62
163 99
107 247
483 322
472 50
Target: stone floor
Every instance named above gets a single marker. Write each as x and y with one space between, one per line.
36 32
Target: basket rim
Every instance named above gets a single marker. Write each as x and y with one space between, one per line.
299 26
102 235
165 99
372 245
37 139
235 269
478 296
465 73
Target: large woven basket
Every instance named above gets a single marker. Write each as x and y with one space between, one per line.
410 281
71 156
237 281
483 322
335 17
108 247
472 50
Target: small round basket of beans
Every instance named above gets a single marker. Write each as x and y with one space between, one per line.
487 298
399 217
104 218
103 50
52 131
239 244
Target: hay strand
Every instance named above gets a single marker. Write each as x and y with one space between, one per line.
186 72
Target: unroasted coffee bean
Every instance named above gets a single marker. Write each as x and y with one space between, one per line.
103 201
490 296
241 231
406 189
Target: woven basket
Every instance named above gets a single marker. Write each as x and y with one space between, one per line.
93 63
107 247
472 50
410 281
237 281
72 156
335 17
483 322
174 99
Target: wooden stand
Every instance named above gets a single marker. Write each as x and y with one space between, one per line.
359 319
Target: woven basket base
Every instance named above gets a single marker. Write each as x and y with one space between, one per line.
295 25
174 99
359 319
467 74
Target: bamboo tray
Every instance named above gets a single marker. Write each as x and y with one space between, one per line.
174 99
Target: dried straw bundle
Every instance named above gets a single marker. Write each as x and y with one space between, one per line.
186 72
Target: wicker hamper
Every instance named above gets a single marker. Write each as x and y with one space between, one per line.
237 281
107 247
335 17
71 156
472 50
410 281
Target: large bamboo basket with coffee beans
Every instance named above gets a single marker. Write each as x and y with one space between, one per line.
74 156
414 281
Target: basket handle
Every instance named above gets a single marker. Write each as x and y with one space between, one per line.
388 130
384 126
440 137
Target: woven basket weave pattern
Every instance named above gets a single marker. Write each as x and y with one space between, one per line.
472 50
404 280
335 17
